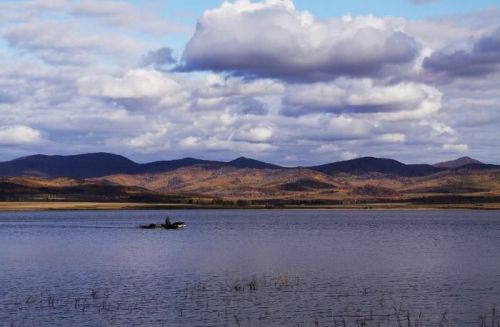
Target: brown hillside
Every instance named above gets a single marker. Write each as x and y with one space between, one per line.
234 183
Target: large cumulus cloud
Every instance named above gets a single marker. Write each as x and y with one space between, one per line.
273 39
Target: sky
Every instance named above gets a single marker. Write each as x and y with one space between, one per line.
298 82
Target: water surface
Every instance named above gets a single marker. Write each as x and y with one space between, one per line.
250 268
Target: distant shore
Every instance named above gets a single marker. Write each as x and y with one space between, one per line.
41 206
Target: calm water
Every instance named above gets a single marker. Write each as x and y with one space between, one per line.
250 268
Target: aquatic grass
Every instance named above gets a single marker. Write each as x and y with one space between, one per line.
229 306
253 283
492 321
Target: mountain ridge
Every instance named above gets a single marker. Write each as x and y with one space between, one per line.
365 165
244 180
462 161
92 165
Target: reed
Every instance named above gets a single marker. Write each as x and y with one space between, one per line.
237 305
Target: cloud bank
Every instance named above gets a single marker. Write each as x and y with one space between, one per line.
260 79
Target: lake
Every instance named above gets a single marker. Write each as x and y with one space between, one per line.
250 268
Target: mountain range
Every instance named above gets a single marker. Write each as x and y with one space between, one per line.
93 165
110 177
103 164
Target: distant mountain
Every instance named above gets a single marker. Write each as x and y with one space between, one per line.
92 165
103 164
243 162
74 166
107 177
463 161
367 165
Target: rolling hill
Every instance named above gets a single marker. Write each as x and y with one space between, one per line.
253 184
65 189
108 177
230 182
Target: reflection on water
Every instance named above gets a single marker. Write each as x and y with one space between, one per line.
251 268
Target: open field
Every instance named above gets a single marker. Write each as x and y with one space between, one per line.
14 206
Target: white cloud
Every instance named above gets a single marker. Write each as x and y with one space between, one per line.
427 108
326 148
456 147
348 155
349 127
478 59
151 141
123 14
190 142
113 13
62 42
135 84
273 39
439 128
255 133
17 135
215 144
392 138
362 96
217 86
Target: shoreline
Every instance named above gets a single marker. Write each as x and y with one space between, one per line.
81 206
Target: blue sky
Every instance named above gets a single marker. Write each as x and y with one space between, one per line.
329 8
408 9
290 82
